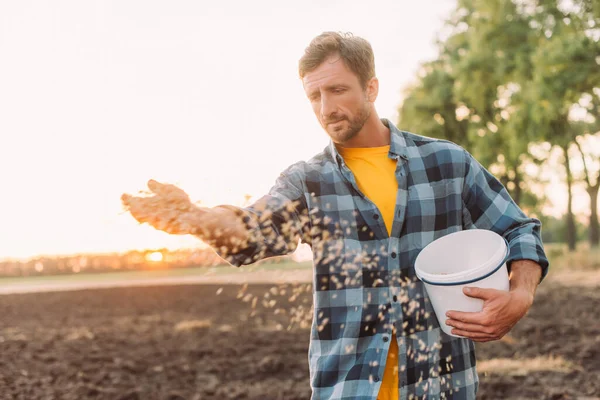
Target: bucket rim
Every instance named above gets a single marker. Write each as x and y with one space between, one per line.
467 281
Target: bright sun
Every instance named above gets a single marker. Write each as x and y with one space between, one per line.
156 256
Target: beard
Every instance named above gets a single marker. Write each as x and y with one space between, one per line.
342 129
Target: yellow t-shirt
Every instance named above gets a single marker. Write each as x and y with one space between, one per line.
375 175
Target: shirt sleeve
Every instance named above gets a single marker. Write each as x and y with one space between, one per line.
275 222
487 205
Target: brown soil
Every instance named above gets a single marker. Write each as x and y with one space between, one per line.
187 342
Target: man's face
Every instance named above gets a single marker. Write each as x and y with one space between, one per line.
340 103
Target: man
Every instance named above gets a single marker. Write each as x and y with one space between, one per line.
367 205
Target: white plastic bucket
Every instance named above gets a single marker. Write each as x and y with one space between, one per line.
474 257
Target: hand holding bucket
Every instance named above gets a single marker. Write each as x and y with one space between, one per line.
474 257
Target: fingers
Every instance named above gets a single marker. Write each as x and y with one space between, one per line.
479 293
161 220
475 318
168 208
478 333
141 209
158 214
468 327
155 186
475 336
125 198
168 191
476 326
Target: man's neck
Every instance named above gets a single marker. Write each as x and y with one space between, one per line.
373 134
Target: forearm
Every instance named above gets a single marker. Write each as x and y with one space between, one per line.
272 226
501 310
222 228
525 275
487 205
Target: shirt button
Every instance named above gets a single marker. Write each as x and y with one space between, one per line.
393 254
385 338
375 216
395 298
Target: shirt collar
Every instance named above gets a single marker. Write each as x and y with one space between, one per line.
398 144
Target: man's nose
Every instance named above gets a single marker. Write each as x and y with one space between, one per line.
328 107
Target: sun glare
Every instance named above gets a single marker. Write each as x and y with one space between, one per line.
156 256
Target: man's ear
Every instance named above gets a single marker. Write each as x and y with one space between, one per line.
372 89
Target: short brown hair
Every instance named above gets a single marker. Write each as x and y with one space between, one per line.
356 53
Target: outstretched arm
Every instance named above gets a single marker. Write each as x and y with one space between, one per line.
275 223
270 227
169 209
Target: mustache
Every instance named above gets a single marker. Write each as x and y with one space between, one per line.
334 119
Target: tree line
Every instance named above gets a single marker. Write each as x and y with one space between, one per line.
517 83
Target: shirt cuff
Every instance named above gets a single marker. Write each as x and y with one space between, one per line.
248 254
527 247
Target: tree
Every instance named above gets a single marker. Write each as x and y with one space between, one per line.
430 108
566 68
591 162
509 74
471 94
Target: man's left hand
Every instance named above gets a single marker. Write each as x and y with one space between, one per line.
501 311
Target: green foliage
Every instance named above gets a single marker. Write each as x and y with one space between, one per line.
554 230
430 109
508 74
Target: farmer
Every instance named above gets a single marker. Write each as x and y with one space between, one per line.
367 205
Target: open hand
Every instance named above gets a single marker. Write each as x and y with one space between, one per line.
169 209
501 311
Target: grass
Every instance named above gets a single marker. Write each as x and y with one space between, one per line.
561 260
523 367
583 258
189 325
158 274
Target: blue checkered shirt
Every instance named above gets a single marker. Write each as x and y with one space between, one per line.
364 282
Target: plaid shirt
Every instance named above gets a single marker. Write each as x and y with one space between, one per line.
364 282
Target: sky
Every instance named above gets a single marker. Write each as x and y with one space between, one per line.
97 97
